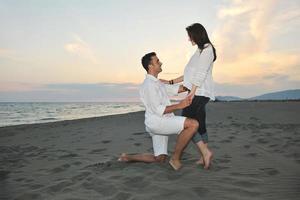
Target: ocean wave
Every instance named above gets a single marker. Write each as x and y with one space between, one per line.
49 118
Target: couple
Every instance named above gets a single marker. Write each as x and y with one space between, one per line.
160 120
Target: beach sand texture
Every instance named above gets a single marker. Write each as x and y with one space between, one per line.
256 149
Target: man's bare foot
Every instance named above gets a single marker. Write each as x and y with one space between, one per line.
123 158
200 162
207 159
175 164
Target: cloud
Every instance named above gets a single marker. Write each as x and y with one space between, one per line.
246 40
9 54
117 92
17 87
81 49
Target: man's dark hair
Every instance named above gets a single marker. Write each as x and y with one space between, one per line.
146 59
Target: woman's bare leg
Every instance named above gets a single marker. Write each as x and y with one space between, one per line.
190 128
206 154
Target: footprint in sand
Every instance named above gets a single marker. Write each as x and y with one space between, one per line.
262 141
138 133
59 186
201 191
245 184
122 196
273 145
246 175
252 155
225 141
231 137
19 179
136 182
270 171
70 155
293 155
254 118
4 175
60 168
226 156
217 168
81 176
101 186
36 186
268 134
96 151
223 160
29 196
77 163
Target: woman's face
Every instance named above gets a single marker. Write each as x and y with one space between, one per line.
191 40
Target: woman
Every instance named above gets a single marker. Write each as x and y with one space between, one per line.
198 80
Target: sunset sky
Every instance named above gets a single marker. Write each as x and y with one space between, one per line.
74 50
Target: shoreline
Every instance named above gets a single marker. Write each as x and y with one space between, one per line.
177 113
69 120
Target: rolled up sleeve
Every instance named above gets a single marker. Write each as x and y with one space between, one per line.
202 66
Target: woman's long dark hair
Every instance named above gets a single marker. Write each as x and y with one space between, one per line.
198 34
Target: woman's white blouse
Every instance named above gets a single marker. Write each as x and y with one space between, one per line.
198 71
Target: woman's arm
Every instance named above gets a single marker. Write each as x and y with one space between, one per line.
177 80
193 91
172 81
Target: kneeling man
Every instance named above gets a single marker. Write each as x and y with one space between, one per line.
160 120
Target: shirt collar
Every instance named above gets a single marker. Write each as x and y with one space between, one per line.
149 76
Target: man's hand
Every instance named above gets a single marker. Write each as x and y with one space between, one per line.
164 81
185 102
182 104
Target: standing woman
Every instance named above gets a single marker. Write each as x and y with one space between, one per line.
198 80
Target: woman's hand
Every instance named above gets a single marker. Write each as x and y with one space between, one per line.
185 103
164 81
191 95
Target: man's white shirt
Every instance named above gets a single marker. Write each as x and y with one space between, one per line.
155 97
198 71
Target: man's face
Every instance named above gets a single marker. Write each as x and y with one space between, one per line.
156 64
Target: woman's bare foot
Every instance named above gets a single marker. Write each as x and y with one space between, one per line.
175 164
200 162
123 158
207 159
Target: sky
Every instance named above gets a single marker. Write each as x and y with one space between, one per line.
54 50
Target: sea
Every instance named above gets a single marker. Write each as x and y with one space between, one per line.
12 113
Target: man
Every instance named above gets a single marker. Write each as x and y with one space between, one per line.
160 120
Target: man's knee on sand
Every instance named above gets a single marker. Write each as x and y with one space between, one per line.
191 123
161 158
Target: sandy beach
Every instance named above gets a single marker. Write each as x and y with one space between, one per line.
256 156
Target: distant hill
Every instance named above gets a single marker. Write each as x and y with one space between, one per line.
228 98
282 95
